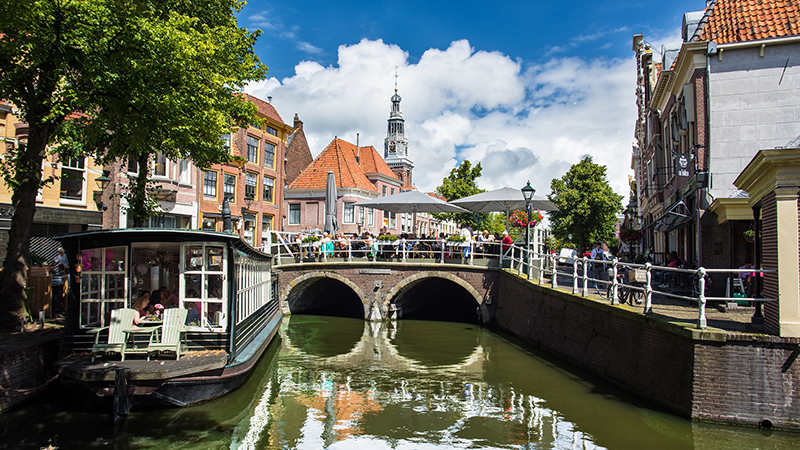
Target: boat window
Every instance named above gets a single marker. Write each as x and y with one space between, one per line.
103 281
204 287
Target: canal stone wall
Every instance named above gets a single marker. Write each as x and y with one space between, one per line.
26 366
711 375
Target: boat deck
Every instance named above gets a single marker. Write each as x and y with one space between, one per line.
80 366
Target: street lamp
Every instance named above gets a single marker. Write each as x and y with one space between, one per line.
527 192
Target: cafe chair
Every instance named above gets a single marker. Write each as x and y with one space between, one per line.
121 319
171 332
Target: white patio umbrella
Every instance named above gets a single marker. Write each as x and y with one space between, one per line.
411 202
331 225
503 199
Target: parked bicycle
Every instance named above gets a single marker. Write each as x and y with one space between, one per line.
630 285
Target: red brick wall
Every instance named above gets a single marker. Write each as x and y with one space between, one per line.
711 375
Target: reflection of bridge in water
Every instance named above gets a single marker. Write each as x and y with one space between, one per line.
390 382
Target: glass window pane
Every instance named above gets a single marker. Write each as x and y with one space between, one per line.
115 259
192 285
193 310
214 286
214 259
115 286
194 258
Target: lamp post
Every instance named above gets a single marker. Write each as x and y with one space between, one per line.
102 182
527 192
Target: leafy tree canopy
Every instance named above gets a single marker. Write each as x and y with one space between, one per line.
116 79
459 184
588 207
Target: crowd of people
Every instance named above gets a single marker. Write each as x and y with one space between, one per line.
369 245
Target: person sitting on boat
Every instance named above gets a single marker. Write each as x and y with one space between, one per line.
141 307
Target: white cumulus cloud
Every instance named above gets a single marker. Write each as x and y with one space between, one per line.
522 121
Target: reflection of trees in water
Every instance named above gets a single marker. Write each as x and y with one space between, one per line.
387 386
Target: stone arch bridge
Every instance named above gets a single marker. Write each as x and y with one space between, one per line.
377 291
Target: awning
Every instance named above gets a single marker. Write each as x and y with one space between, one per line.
675 216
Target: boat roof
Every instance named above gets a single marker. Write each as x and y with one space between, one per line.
124 236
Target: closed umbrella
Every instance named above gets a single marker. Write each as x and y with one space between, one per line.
331 225
411 202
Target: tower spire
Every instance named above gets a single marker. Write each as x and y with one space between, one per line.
395 151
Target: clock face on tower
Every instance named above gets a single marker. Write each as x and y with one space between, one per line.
392 147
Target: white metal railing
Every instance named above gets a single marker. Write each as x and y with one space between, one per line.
604 278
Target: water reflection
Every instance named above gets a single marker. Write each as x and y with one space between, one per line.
343 384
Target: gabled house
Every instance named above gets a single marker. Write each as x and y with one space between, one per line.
254 187
706 107
360 174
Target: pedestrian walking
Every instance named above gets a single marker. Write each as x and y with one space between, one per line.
599 268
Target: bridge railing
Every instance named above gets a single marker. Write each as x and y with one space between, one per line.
613 279
289 250
609 280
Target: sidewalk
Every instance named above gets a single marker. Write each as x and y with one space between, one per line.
672 309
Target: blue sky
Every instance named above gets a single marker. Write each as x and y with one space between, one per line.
525 88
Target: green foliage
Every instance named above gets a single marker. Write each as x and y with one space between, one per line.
116 79
456 238
493 223
459 184
588 207
310 239
388 237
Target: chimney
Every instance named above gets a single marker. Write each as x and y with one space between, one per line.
358 149
298 124
269 99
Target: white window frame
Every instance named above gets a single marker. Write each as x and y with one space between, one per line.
96 294
204 299
349 212
73 165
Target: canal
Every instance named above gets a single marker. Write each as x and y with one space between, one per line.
341 383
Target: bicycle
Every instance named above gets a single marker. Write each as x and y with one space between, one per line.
626 288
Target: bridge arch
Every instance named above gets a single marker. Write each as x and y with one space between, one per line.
417 277
434 295
304 284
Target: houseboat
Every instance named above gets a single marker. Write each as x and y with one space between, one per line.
225 295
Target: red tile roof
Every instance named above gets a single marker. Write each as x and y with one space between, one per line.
371 161
264 108
340 157
749 20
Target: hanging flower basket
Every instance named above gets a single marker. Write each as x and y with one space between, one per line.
519 219
750 236
630 236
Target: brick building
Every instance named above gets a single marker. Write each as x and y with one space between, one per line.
254 187
706 106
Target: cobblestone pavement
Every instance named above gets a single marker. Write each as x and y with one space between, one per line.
672 309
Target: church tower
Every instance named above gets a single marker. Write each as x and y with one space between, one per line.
395 146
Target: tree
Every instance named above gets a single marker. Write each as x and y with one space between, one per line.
114 80
459 184
587 206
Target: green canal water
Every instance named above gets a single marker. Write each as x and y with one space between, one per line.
345 384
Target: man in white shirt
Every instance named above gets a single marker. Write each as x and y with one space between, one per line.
599 268
467 235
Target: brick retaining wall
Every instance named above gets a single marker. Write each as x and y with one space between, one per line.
26 366
700 374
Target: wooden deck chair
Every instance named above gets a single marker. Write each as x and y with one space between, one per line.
171 331
121 319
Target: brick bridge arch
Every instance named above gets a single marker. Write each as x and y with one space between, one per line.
428 274
377 284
